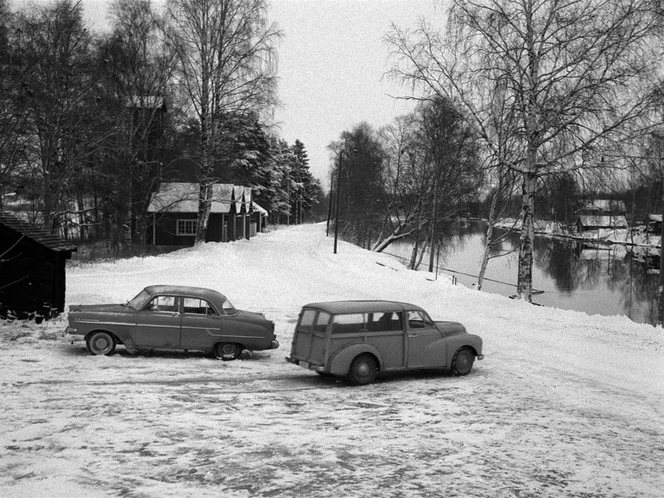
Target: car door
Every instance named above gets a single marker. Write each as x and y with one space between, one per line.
421 332
201 324
384 330
158 323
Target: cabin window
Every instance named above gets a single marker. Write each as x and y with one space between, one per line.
186 227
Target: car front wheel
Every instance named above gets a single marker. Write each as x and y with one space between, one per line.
462 362
362 370
227 351
101 343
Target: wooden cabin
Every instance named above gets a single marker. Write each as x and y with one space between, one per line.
32 269
174 214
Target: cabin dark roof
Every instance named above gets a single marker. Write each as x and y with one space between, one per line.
35 233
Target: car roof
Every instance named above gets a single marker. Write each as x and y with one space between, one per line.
362 306
185 290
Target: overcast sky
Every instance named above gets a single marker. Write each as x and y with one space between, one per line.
332 61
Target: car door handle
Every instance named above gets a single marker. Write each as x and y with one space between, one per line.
412 335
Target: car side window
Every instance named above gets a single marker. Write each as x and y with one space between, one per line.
417 320
321 321
384 321
348 324
197 306
162 303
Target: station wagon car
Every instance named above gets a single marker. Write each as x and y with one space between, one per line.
358 339
167 317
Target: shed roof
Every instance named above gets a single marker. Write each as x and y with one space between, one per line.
35 233
182 197
258 208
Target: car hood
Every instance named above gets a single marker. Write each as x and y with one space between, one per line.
98 308
451 328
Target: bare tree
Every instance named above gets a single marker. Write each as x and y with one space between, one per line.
576 76
227 60
54 54
139 70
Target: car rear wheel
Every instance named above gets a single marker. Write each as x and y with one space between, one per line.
362 370
462 362
227 351
101 343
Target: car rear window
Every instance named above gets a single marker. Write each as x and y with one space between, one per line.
307 319
321 321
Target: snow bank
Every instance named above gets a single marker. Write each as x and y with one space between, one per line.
564 404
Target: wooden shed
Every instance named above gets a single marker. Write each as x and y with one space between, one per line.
32 269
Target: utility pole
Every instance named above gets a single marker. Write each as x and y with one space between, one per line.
336 214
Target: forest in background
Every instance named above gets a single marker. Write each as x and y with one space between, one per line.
90 123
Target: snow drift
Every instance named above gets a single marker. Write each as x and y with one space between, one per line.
564 404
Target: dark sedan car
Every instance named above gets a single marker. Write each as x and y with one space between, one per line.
168 317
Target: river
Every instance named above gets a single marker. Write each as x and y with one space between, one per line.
568 274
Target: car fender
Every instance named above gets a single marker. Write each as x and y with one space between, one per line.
456 342
339 362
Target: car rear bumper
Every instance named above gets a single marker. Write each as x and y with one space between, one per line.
72 338
305 364
275 345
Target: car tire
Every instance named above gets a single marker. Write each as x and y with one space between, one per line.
227 351
101 343
462 362
363 370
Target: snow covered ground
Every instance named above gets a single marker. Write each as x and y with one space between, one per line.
564 404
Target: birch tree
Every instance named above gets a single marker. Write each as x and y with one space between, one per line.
227 61
577 77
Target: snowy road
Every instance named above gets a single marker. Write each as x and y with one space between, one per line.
563 405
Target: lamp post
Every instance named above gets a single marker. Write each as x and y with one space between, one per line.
338 197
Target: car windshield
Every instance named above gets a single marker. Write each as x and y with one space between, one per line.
228 308
138 302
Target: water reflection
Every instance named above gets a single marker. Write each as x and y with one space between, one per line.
597 279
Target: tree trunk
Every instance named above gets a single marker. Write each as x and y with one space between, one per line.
489 236
204 205
660 300
525 273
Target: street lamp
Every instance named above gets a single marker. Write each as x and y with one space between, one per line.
336 211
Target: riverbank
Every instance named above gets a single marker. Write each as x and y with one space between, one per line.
636 236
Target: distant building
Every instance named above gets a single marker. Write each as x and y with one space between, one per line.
600 207
174 214
654 223
595 222
32 269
